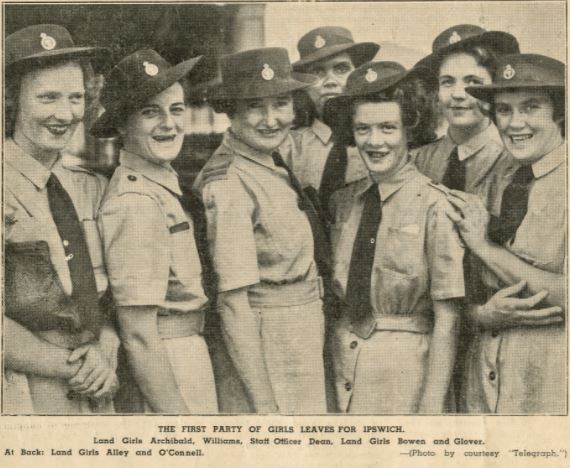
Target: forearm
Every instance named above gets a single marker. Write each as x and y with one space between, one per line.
25 352
241 331
511 269
441 358
109 342
149 359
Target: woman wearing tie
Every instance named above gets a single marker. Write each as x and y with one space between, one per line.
263 238
397 258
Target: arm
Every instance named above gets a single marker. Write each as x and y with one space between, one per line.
241 331
149 359
25 352
441 357
472 219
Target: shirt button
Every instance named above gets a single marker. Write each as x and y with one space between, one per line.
65 243
492 375
494 333
69 257
131 177
354 344
372 240
348 386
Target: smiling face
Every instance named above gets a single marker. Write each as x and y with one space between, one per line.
525 120
155 132
461 110
332 75
50 106
380 137
263 123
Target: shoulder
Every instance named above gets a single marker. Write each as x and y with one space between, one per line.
216 168
82 174
344 197
427 150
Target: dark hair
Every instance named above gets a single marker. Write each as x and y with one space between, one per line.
558 99
416 106
16 74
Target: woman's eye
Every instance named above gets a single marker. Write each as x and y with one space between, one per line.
342 68
148 112
361 129
283 103
502 110
388 128
445 82
178 110
474 81
77 98
47 98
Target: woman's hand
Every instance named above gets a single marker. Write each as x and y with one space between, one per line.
470 218
505 310
96 378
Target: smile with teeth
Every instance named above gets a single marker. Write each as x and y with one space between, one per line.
377 155
58 129
520 138
268 132
164 138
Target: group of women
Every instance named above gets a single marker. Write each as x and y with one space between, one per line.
431 282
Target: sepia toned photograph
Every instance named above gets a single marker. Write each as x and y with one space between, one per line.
284 209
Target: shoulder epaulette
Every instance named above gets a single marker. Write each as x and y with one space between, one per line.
216 168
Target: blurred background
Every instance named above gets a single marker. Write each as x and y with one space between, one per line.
405 31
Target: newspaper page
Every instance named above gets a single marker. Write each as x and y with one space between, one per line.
338 238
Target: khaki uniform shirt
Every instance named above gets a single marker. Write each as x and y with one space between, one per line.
256 230
485 163
148 239
523 370
418 255
27 214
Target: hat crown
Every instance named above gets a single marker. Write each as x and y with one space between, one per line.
255 66
36 39
374 77
520 70
322 38
456 34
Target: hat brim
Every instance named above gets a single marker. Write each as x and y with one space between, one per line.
107 123
499 41
360 53
252 90
70 53
486 93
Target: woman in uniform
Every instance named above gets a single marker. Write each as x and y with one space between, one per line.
263 233
152 260
397 259
60 349
517 362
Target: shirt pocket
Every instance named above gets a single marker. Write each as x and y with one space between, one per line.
393 292
185 261
402 250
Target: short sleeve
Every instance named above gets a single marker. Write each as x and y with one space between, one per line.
229 211
445 256
136 247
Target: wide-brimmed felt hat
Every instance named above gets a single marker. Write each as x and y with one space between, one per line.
463 36
44 42
523 71
132 82
257 73
324 42
368 79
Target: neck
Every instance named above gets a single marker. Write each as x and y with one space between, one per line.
45 157
460 135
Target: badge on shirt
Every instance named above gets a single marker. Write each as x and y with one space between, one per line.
185 226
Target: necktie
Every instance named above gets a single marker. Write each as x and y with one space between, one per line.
454 177
84 291
321 245
362 260
514 206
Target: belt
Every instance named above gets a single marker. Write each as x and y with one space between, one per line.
284 295
178 325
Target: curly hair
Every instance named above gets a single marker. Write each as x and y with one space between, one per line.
483 56
16 74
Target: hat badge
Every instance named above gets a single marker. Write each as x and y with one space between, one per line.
371 75
455 37
509 72
47 42
150 69
267 73
320 42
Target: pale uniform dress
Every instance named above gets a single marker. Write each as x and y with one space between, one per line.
28 218
260 239
523 370
418 259
152 260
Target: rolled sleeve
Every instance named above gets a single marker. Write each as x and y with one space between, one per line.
445 256
229 210
135 242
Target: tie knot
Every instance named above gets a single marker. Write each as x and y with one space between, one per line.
278 159
373 192
53 181
524 175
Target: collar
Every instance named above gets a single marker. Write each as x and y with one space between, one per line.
389 187
476 142
162 175
25 164
260 157
550 161
322 131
